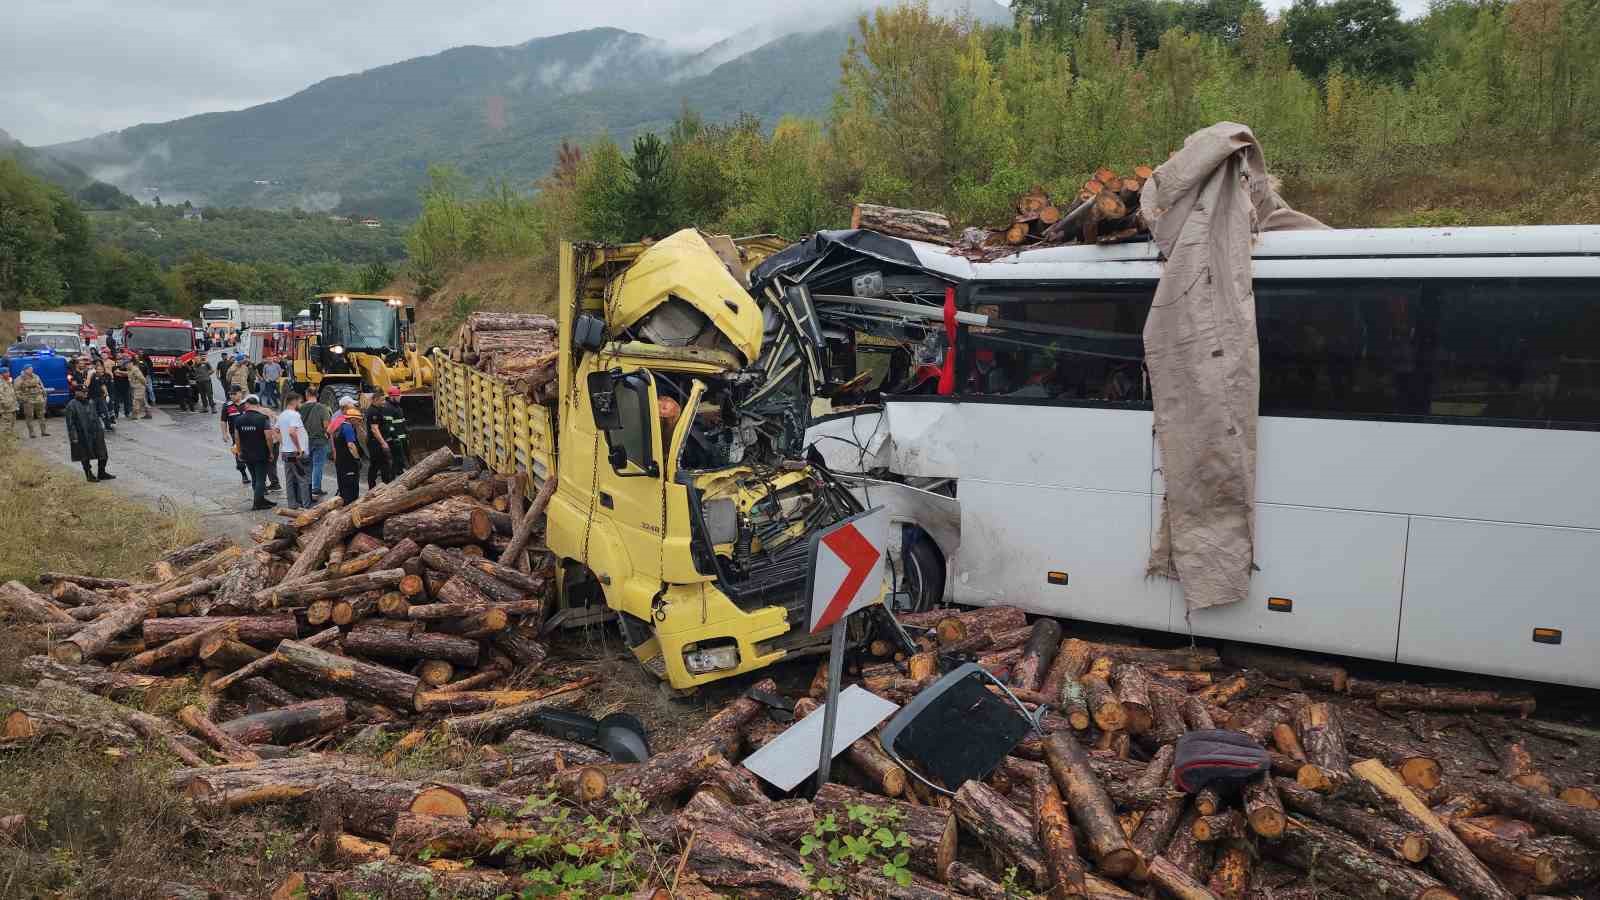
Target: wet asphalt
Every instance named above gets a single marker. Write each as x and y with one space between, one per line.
173 457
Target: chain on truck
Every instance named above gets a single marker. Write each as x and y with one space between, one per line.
683 501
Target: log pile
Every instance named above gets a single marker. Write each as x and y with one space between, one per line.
1432 793
518 348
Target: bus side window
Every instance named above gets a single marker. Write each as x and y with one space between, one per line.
1073 342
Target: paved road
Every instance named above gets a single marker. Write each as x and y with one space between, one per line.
176 457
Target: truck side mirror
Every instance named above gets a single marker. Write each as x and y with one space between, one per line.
411 314
316 309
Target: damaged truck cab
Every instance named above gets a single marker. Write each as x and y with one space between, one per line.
681 500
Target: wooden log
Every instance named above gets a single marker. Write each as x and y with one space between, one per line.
226 655
1104 707
523 646
1547 812
1230 877
1287 741
496 590
1452 700
176 652
1231 690
1063 866
98 680
198 723
435 673
1322 735
1225 825
92 582
1333 858
1404 845
1166 714
1550 862
886 775
303 593
988 620
726 850
1071 661
1091 807
494 722
1518 767
1002 828
265 629
290 723
391 878
915 224
393 504
932 831
378 642
343 675
262 666
91 640
1194 660
439 524
1286 666
1262 806
41 713
523 536
1448 856
527 584
1418 766
70 593
1133 692
26 606
462 702
1044 640
1176 882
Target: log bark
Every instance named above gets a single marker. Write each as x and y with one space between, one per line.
490 724
1133 692
1195 660
990 620
1551 863
198 723
303 593
915 224
266 629
461 702
1166 714
523 646
726 850
1547 812
1230 877
290 723
41 713
176 652
1071 661
70 593
1044 640
343 675
886 775
393 504
1448 856
1262 806
1063 867
532 756
1322 735
1091 807
1002 828
523 536
1333 858
1418 766
1451 700
785 820
91 640
932 831
263 665
439 524
242 582
1176 881
1517 766
1225 825
1104 707
1378 832
1285 666
378 642
92 582
97 680
394 880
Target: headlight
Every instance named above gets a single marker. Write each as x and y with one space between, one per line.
711 659
336 349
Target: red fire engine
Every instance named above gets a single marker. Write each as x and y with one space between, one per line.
164 341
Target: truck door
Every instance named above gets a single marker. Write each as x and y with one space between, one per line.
627 501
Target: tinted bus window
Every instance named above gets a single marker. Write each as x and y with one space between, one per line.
1067 343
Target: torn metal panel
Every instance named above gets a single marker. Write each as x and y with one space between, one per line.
683 267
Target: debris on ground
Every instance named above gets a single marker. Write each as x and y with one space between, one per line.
414 621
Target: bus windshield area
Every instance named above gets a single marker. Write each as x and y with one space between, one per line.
61 343
363 325
213 314
160 340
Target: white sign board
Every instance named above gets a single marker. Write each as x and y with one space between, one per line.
788 759
847 567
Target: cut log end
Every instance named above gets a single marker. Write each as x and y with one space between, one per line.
439 800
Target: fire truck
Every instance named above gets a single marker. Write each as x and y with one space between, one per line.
163 341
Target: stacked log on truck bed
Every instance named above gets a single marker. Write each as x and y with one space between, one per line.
415 613
519 348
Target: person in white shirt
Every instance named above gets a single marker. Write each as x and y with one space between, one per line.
294 448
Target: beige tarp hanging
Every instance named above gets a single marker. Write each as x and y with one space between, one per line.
1204 206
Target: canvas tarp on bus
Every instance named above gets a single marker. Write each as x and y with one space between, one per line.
1204 206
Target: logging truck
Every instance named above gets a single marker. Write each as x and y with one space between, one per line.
1429 405
674 433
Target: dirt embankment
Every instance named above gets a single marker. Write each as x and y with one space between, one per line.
500 285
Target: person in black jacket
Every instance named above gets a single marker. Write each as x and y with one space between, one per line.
86 434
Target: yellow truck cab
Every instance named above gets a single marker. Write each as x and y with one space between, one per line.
682 499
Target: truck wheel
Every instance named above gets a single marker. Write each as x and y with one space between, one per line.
923 566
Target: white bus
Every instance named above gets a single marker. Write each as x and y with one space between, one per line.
1428 479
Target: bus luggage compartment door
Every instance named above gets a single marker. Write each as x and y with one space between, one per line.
1329 580
1502 599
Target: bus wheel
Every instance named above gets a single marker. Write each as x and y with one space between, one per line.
923 566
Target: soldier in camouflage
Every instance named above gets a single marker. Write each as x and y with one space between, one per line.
30 390
8 402
136 382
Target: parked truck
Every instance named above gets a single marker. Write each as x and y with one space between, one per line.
683 500
225 319
62 332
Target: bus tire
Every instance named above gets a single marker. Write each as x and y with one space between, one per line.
923 566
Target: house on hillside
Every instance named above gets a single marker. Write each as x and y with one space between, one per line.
372 223
340 220
193 214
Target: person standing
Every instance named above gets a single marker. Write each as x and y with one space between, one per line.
314 414
8 402
253 445
395 433
121 394
182 375
137 382
270 373
31 393
86 435
231 411
239 374
294 448
202 384
224 363
148 368
377 444
343 432
106 370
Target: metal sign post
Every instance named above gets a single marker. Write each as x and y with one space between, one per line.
845 575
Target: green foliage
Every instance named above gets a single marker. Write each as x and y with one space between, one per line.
1363 37
30 271
866 842
580 854
294 237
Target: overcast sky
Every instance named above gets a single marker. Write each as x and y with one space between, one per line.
74 68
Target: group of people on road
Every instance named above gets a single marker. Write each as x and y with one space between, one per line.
266 379
302 437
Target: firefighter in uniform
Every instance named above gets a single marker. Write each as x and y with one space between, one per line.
136 383
30 390
8 402
394 431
